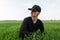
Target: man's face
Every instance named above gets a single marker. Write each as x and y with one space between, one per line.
35 13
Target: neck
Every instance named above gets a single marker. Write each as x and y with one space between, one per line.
34 19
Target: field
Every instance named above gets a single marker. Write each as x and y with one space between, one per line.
9 30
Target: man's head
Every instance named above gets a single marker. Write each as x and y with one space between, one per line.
35 10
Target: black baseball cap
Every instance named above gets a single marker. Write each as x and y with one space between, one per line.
35 8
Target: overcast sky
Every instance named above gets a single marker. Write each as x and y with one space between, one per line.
18 9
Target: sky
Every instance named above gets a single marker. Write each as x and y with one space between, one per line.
18 9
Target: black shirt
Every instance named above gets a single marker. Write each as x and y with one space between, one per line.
28 26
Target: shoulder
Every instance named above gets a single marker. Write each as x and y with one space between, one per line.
40 21
27 19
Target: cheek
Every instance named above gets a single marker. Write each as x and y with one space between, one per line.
36 14
32 14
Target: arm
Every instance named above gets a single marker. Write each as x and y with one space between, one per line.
22 29
41 27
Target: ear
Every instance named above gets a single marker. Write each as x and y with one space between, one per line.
31 11
40 12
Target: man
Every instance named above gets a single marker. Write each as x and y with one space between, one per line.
31 24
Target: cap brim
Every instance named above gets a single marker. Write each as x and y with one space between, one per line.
29 8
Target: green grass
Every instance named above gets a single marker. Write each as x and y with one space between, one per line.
9 31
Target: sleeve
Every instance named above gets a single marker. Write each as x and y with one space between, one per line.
23 28
41 27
